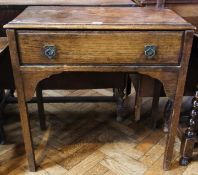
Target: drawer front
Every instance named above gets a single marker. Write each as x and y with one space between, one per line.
99 47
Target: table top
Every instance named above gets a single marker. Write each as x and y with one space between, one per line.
66 2
123 18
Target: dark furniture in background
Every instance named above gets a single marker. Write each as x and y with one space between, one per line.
188 133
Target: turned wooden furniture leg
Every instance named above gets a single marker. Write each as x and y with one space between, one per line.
187 147
138 100
188 139
40 105
120 103
155 103
174 120
25 123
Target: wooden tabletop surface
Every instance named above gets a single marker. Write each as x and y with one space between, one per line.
126 18
66 2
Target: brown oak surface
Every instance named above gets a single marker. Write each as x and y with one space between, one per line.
85 18
99 18
66 2
188 9
116 47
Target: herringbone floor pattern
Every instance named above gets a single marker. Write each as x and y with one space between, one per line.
85 139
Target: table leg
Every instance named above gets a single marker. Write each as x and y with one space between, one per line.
25 123
173 124
26 129
177 99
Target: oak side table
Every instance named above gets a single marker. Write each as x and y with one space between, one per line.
45 41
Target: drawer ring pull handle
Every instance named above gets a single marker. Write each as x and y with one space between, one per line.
150 51
49 51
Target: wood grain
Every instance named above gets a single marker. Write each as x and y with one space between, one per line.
102 19
66 2
188 11
185 8
174 121
57 117
99 169
120 18
116 47
87 163
22 105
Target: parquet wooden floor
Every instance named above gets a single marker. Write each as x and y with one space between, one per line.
85 139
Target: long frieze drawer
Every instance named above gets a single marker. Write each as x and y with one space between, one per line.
105 47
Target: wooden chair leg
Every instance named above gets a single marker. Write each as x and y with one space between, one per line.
41 112
155 103
138 100
188 140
